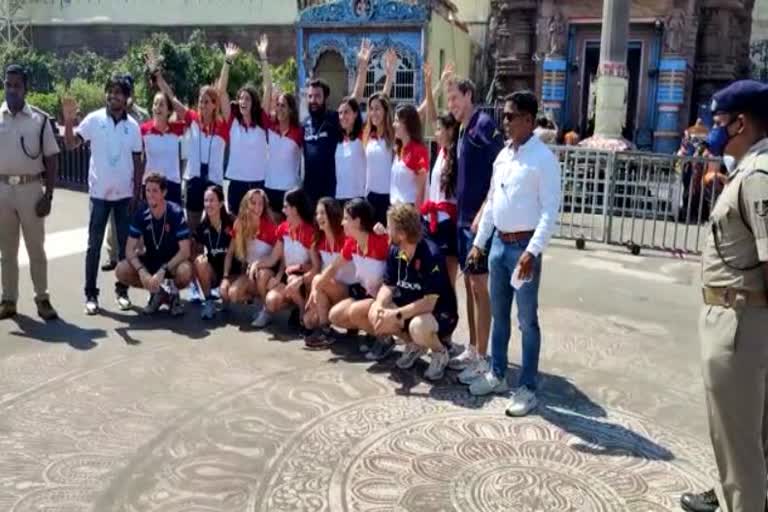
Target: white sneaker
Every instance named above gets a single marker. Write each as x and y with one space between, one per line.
523 401
464 359
124 302
437 366
91 306
262 319
411 354
488 384
474 371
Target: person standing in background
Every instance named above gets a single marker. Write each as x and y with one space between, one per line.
28 148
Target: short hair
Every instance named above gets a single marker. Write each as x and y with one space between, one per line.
542 122
18 70
404 217
524 101
321 84
157 178
360 208
121 82
465 85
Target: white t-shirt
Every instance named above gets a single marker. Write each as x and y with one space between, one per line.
248 155
378 169
206 147
110 170
435 193
413 160
161 149
350 169
284 169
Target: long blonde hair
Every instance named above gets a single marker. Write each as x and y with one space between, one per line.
247 230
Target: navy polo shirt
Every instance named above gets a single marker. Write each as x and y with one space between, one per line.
161 236
479 144
321 135
425 274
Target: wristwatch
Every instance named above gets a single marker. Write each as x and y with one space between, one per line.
164 268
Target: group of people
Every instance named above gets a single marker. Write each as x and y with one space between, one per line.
368 239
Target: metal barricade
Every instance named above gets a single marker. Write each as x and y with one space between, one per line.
73 167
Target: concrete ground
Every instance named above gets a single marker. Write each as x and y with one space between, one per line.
126 413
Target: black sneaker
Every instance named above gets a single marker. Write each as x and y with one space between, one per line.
381 349
701 502
109 266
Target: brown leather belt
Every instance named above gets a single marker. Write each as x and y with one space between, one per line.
514 237
22 179
732 297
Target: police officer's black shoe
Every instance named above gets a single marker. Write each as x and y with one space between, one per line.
701 502
7 309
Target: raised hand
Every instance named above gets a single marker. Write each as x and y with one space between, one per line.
69 108
231 51
448 72
152 60
364 55
262 45
427 74
390 62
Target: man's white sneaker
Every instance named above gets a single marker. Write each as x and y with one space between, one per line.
474 371
91 306
487 384
523 401
464 359
437 366
124 302
411 354
262 319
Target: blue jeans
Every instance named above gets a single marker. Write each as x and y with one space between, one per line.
97 225
502 262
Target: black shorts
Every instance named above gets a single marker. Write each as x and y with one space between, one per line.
446 324
357 292
218 272
275 198
445 237
380 203
236 192
152 265
465 242
195 192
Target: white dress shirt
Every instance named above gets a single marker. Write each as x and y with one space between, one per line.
524 195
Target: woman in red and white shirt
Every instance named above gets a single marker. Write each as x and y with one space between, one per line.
208 137
292 256
254 237
161 138
368 252
285 140
328 243
350 154
248 125
409 170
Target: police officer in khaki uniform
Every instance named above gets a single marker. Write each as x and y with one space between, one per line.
734 320
28 168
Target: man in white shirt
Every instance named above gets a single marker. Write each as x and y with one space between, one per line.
521 214
114 176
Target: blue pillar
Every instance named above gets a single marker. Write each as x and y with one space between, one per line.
670 97
553 87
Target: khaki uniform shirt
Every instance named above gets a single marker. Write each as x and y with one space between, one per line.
20 141
737 246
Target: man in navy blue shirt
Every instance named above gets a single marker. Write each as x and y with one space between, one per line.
416 301
321 134
479 144
163 266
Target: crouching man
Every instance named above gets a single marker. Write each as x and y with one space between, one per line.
417 302
158 250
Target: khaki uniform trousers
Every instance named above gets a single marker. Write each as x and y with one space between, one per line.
17 214
734 344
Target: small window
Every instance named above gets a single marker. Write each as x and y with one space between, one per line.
404 89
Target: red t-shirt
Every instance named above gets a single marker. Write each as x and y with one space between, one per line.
267 230
415 156
338 244
378 248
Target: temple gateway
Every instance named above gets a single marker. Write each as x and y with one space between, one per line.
680 52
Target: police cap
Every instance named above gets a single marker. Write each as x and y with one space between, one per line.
741 96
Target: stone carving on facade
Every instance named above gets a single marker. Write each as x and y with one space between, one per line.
674 32
556 31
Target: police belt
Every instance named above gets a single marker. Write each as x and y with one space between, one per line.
21 179
732 297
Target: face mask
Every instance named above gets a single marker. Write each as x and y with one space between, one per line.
14 100
717 140
730 163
